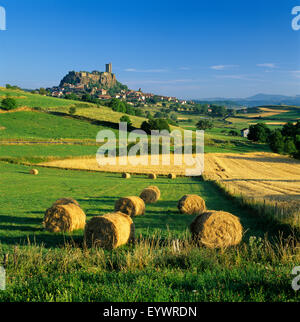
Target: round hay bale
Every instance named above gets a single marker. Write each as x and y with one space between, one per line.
216 229
65 201
152 176
172 176
155 188
109 231
150 194
64 218
131 206
35 172
126 175
191 205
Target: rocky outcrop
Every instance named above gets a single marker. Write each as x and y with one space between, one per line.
86 79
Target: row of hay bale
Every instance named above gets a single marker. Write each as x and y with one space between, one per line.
152 176
108 231
210 228
116 229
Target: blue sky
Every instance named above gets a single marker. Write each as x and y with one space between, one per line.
189 49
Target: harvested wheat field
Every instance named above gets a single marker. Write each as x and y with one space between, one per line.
266 112
257 175
164 166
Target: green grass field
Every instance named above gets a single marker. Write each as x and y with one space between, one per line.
57 267
35 100
38 125
42 268
91 111
35 153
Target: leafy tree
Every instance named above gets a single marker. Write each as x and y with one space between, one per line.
72 110
234 133
126 119
201 108
138 112
8 104
8 86
286 140
218 110
117 89
86 97
153 100
289 146
232 112
259 133
42 91
155 124
149 115
162 124
158 115
289 129
276 141
146 127
204 124
173 117
71 96
129 109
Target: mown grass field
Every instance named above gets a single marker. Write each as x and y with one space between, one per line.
42 268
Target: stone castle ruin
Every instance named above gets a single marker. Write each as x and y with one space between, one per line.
94 79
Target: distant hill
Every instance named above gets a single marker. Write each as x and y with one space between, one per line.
258 100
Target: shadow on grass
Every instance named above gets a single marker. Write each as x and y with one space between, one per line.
19 228
24 172
20 220
48 240
92 121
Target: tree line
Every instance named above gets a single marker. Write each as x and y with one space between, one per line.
283 141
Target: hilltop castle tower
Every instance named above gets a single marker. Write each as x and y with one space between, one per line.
109 68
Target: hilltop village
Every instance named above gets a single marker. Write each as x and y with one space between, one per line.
104 86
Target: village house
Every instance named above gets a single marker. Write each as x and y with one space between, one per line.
57 94
103 91
245 132
104 97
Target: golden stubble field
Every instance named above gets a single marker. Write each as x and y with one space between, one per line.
257 175
266 112
163 166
